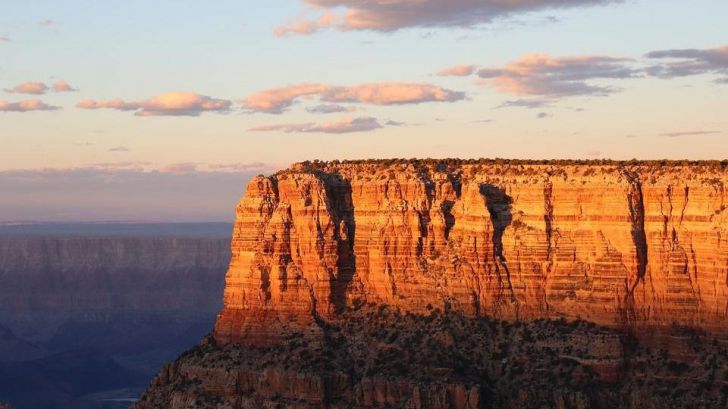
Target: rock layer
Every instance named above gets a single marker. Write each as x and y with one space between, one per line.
630 245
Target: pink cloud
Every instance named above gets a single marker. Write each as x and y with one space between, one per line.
26 106
458 71
30 87
169 104
391 15
555 77
347 125
279 99
39 88
4 39
62 86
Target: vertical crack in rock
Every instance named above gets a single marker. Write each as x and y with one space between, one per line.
499 207
446 208
548 217
423 174
635 200
341 209
456 182
685 204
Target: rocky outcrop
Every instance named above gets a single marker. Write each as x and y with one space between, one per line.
469 284
621 244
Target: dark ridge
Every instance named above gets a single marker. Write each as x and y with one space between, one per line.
446 163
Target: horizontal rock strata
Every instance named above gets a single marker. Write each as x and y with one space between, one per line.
629 245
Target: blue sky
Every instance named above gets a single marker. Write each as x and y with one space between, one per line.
227 51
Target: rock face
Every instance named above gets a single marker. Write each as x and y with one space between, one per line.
627 245
469 284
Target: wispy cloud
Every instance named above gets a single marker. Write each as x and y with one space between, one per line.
119 149
688 133
691 61
277 100
391 15
4 39
170 104
557 77
525 103
458 71
26 106
347 125
329 109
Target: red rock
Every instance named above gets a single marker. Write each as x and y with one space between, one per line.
639 246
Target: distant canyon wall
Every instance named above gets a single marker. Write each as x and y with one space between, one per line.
634 245
46 281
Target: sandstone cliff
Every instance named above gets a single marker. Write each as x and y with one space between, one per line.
628 245
469 284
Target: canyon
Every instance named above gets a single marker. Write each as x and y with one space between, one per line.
427 283
89 312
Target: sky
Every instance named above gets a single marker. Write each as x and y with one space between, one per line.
160 110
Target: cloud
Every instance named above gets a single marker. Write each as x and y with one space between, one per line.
47 23
542 115
26 106
62 86
119 149
392 15
557 77
525 103
688 133
4 39
30 87
458 71
124 191
691 61
39 88
170 104
277 100
348 125
594 153
329 109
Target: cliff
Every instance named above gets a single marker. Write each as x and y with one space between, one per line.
469 284
626 245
